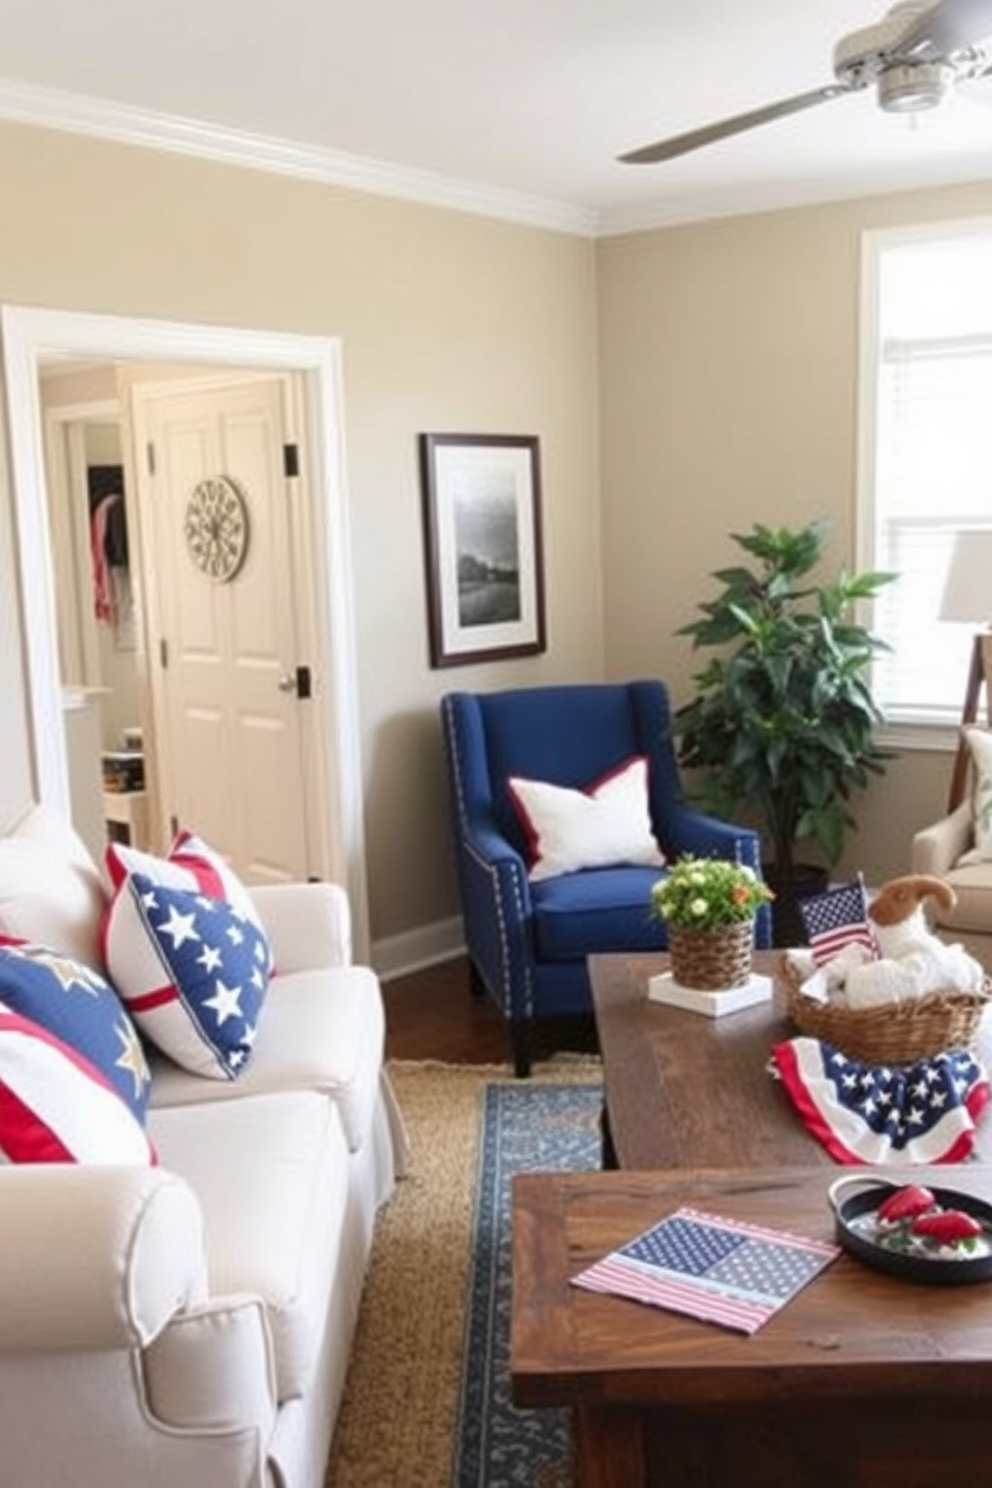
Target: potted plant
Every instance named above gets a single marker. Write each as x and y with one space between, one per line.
782 728
709 905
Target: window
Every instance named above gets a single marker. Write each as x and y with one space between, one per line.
927 468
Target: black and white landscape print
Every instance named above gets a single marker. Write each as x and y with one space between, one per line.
487 539
482 531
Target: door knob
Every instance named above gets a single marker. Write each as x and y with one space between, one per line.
288 683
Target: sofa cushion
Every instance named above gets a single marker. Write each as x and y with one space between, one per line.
57 1107
80 1007
321 1030
192 971
601 909
606 824
191 864
271 1174
50 888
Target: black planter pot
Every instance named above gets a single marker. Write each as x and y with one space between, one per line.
805 880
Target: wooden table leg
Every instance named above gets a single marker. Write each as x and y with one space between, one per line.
609 1447
607 1152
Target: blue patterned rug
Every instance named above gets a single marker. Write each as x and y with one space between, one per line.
525 1128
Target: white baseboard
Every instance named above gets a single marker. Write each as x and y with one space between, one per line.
398 955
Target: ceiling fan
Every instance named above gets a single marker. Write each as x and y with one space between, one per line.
916 54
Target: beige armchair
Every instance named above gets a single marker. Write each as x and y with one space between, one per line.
939 849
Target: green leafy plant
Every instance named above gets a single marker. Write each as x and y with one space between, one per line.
783 724
708 893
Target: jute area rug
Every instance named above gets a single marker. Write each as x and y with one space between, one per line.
399 1417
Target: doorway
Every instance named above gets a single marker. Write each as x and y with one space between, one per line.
32 338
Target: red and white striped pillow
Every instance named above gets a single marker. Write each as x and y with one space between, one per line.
56 1107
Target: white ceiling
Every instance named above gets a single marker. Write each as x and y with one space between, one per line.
516 107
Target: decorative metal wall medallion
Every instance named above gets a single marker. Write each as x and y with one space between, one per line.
217 527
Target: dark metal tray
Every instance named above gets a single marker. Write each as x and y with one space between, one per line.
933 1270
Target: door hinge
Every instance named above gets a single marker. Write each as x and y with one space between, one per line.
174 825
303 682
163 652
150 453
290 460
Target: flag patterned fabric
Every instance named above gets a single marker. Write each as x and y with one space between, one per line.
80 1007
192 971
837 918
55 1106
721 1270
863 1113
191 864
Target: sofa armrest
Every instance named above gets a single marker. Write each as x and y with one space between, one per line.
95 1257
936 849
308 924
496 909
689 831
212 1369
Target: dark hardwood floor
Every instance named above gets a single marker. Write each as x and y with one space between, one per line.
432 1014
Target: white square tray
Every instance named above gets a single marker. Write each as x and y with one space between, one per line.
665 988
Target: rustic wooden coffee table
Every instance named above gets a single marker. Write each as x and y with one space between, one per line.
686 1091
860 1381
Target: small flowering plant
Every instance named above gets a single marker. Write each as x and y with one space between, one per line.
708 893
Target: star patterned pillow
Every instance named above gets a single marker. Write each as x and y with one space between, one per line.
191 864
192 971
80 1007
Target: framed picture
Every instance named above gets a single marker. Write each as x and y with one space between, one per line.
482 531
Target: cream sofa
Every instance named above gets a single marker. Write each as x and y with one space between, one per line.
189 1325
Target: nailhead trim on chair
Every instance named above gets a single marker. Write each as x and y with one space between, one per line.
492 873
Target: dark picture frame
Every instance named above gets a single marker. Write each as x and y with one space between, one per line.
483 546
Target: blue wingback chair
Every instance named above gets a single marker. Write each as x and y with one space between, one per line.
528 941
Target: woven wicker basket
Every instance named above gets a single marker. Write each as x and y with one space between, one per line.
711 960
895 1034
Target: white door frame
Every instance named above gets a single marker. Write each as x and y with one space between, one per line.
64 427
31 334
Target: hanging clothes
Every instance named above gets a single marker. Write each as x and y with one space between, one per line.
104 599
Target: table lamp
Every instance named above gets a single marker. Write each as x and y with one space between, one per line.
967 599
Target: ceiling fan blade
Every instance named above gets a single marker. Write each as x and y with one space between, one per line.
950 26
694 139
978 87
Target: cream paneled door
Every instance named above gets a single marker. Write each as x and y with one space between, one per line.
229 683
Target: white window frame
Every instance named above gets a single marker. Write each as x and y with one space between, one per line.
938 731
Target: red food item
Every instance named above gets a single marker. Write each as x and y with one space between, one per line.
906 1203
947 1226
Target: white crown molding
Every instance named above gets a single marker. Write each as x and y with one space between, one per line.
788 193
75 113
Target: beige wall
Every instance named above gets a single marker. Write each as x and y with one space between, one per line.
448 322
723 384
728 364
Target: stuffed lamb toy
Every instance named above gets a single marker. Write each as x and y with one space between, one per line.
911 959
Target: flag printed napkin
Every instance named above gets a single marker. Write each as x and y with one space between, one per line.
876 1113
721 1270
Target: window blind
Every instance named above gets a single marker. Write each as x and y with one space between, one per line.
932 442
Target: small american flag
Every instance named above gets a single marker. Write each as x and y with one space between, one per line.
722 1270
836 919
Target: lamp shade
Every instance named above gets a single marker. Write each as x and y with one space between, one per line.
968 587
